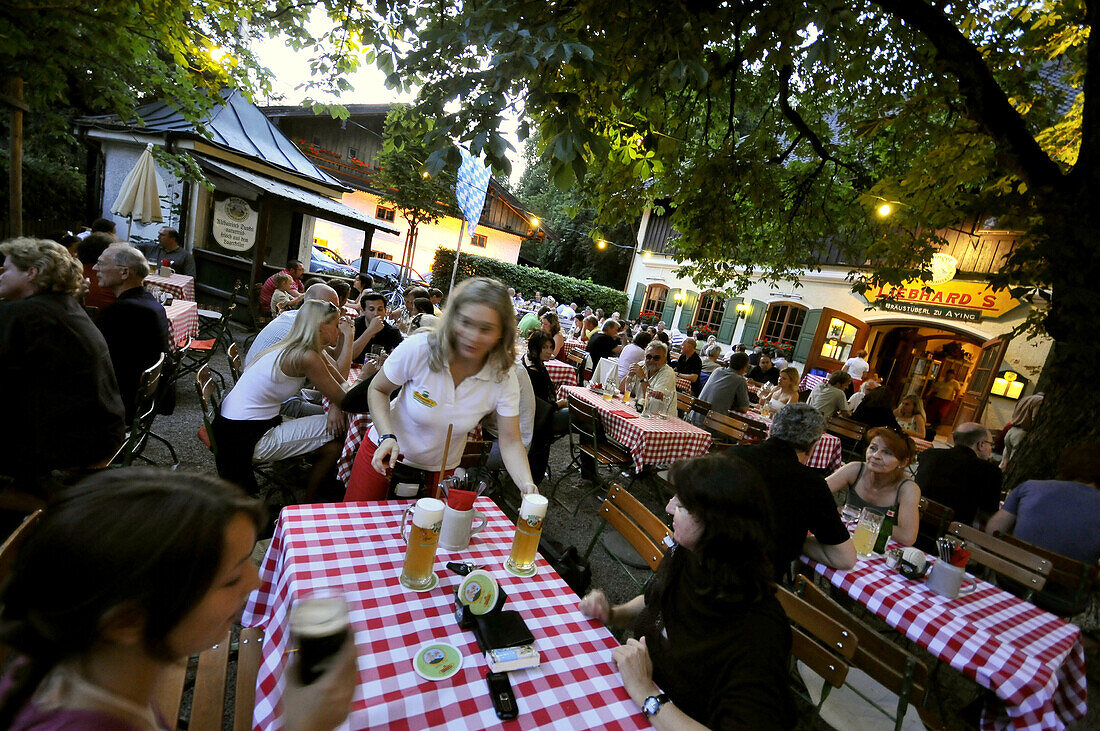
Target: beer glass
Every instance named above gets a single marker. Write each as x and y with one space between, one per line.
422 537
528 529
318 629
867 531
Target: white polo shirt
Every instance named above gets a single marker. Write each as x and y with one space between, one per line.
429 402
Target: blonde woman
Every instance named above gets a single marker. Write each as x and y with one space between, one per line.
783 393
911 417
450 378
249 427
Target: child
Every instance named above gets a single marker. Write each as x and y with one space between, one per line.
284 296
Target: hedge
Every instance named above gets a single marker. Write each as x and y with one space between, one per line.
527 280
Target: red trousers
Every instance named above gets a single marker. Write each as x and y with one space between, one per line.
367 484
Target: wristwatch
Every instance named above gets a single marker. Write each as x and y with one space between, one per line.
653 704
384 437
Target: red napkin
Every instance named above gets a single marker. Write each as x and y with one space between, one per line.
960 558
461 499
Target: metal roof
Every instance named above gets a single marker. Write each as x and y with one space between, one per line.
299 110
236 124
318 205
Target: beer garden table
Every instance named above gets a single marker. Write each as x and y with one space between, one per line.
561 374
650 441
827 451
1033 661
181 286
183 320
356 548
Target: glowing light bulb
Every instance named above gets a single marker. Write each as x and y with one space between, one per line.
885 210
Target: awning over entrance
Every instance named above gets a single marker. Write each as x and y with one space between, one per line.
312 203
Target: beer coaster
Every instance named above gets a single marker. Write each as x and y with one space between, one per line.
534 570
478 591
431 585
437 661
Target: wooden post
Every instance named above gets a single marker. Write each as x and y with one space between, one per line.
259 251
15 171
368 237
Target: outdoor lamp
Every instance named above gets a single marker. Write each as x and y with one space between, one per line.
1008 384
601 244
885 210
680 296
743 310
535 221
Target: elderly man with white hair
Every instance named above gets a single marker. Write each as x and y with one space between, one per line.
654 375
135 325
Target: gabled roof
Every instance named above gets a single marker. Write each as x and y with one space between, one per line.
236 125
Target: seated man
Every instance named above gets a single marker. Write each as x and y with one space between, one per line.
134 326
962 477
604 344
403 316
828 396
61 396
531 321
435 294
424 317
654 375
689 365
1058 515
726 389
168 247
800 498
712 352
371 328
764 372
295 269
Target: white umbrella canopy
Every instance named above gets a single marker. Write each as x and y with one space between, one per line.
139 197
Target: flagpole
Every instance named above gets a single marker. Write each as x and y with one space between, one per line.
458 248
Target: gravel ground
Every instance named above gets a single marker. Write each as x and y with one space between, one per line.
954 691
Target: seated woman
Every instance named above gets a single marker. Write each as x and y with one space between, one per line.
876 409
128 574
553 411
910 416
551 325
882 484
783 393
714 643
249 428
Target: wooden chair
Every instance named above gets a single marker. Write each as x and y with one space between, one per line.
1026 569
141 429
643 530
820 642
934 519
8 551
729 431
851 434
210 689
683 402
587 440
236 363
1070 584
700 407
884 679
755 431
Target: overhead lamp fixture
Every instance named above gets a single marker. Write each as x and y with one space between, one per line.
601 244
425 174
744 309
885 210
647 254
680 296
535 221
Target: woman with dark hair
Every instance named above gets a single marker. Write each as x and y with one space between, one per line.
551 325
551 413
881 482
712 635
129 573
877 409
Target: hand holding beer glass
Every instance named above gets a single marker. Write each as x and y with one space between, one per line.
532 513
422 538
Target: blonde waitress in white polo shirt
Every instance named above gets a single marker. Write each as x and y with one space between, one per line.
452 376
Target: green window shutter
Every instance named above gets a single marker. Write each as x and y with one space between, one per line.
687 314
754 323
806 337
729 320
670 308
636 304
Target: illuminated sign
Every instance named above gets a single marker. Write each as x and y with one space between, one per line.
970 301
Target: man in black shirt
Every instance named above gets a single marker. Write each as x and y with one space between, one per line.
962 478
689 365
763 372
135 325
372 329
604 344
801 501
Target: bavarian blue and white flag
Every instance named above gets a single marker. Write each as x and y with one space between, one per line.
473 182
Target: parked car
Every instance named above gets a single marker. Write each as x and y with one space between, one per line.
387 274
324 260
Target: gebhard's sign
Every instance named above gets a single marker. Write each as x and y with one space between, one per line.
954 300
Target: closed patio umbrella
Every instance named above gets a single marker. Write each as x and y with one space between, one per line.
140 194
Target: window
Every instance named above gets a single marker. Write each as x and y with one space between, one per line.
316 141
655 298
839 339
478 240
353 154
382 255
709 312
385 214
784 323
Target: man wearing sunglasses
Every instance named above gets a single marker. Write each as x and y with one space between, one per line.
655 377
726 389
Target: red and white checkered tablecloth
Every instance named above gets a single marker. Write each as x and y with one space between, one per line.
573 343
683 384
561 374
356 549
809 382
827 451
183 320
180 285
1032 660
650 441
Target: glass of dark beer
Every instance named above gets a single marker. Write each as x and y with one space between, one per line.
318 629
